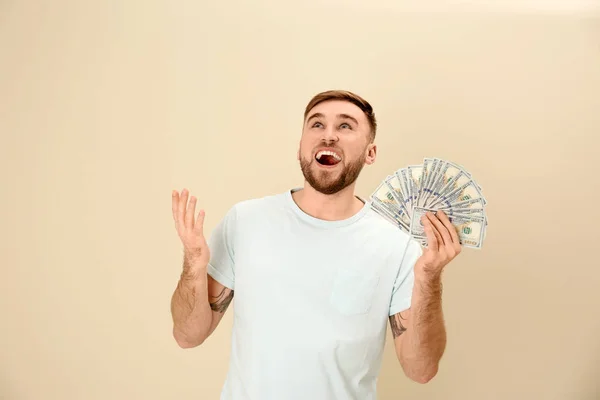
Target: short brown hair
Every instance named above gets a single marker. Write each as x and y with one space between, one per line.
345 96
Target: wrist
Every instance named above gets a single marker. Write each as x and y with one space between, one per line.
428 281
193 266
193 274
425 275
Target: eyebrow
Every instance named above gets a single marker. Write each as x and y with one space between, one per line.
342 116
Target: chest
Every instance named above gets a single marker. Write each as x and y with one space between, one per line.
338 281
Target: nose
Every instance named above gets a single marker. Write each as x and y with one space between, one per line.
329 135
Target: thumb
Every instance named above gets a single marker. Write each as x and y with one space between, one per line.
199 225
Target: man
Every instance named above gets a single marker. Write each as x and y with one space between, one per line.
316 274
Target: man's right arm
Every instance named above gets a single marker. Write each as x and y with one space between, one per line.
198 304
199 301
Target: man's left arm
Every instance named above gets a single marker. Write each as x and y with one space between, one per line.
419 333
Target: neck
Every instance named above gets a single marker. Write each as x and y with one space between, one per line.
330 207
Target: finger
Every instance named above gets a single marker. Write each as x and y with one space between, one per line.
174 205
190 212
432 241
451 228
439 238
199 226
446 239
182 206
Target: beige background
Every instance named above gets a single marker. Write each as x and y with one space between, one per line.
107 106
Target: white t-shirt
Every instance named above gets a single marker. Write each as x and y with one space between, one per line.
311 298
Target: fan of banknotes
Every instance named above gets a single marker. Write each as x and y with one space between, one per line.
406 195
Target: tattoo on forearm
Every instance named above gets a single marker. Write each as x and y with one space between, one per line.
396 324
220 302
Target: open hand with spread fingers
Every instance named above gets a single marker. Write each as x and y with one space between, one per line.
443 244
190 228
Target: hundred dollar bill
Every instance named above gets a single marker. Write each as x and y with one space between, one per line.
452 176
383 197
429 178
423 179
382 210
469 207
436 180
476 212
397 191
439 167
470 203
414 173
444 179
400 180
426 172
470 229
467 191
403 177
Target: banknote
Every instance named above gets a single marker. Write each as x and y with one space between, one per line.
436 184
398 191
402 174
444 179
386 201
470 229
431 174
382 210
469 203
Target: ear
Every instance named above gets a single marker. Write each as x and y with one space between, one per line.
371 153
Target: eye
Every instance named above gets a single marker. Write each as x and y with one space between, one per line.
317 125
345 125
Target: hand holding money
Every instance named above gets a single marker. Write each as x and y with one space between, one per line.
407 195
443 243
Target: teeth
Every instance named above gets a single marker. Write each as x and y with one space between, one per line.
328 153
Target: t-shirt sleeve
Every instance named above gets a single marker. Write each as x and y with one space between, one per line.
403 285
221 266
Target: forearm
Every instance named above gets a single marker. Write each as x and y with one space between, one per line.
425 340
190 309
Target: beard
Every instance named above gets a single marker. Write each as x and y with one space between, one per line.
330 182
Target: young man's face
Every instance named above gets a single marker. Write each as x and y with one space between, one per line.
335 145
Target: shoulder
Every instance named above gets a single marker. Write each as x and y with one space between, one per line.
255 208
264 203
244 217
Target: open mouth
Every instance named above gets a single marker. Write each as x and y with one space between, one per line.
328 158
